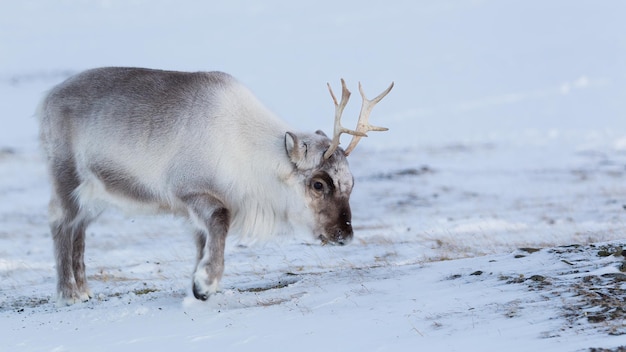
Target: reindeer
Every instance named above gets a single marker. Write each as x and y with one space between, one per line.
198 145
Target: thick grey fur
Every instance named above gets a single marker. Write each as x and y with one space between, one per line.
197 145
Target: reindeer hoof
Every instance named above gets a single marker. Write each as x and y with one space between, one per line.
203 296
203 286
70 299
202 291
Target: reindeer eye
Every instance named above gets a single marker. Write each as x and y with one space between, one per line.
321 184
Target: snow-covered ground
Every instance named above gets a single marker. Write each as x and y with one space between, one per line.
507 135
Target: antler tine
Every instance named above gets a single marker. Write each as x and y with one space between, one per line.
363 125
339 129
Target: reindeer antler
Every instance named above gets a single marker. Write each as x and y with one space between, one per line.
339 129
363 125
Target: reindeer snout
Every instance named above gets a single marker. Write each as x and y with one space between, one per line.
344 238
339 229
339 235
343 234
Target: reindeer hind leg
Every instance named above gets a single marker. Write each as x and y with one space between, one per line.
78 260
67 225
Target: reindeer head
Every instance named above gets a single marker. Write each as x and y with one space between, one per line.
323 168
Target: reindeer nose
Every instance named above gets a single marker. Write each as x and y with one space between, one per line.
344 236
344 241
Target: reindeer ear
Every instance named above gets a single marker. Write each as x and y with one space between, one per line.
296 150
321 133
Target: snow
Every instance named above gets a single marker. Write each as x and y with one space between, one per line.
507 131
